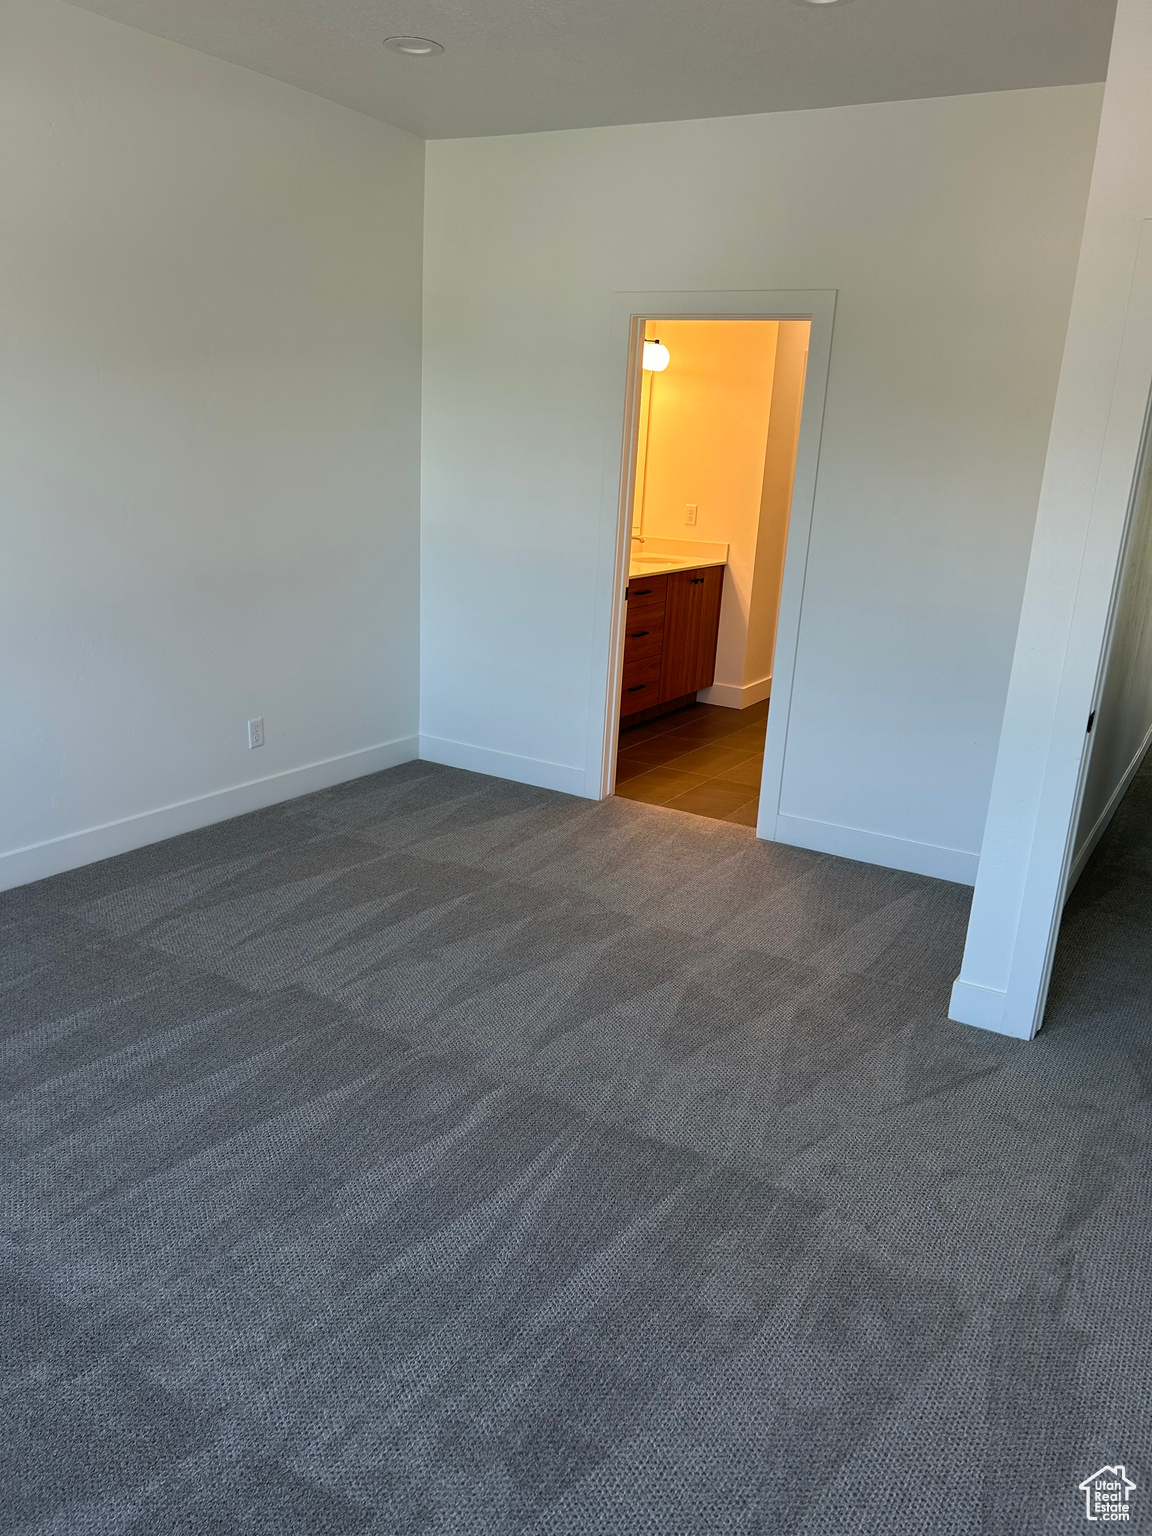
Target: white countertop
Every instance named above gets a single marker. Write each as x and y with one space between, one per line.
662 565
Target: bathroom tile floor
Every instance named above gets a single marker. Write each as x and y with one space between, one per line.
702 759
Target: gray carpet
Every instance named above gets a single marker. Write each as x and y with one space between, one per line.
436 1154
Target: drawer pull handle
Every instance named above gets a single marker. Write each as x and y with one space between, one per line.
638 634
640 592
696 580
636 687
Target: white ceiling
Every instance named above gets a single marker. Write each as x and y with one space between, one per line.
516 66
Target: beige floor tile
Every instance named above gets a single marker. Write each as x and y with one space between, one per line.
658 785
711 760
712 798
745 815
749 772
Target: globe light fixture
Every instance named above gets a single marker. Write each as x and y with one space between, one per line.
656 356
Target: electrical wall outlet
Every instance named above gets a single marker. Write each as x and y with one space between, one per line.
690 514
256 732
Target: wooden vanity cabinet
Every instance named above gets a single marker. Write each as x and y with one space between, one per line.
691 625
670 639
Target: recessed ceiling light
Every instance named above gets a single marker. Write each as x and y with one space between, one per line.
414 47
825 2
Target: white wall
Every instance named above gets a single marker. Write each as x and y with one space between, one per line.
209 391
775 503
1123 729
1096 431
950 228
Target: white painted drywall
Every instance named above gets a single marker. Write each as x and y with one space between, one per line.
209 395
1123 727
775 504
1095 437
950 229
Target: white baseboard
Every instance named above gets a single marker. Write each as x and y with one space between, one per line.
1107 813
983 1008
876 848
504 765
75 849
733 696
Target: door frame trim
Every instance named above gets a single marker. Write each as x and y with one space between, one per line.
629 312
1101 427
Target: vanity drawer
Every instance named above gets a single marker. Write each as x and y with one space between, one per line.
643 635
646 593
641 685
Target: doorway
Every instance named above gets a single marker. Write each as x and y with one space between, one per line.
1106 916
715 437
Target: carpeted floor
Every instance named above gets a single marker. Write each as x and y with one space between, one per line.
439 1155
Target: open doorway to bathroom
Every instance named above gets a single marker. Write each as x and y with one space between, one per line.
717 429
